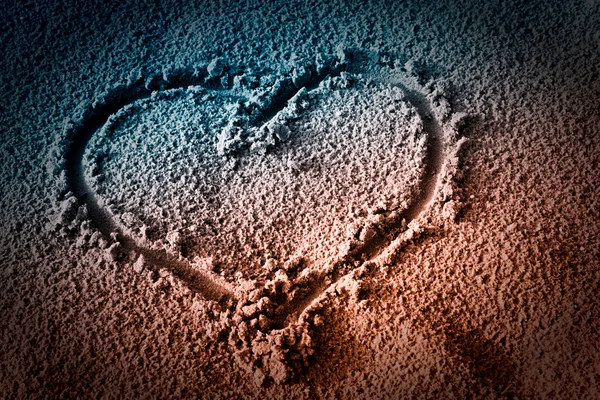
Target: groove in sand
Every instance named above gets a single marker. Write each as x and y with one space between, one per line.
427 189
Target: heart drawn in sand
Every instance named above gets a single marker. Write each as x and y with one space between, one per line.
250 177
258 190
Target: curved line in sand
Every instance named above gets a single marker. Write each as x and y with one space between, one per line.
212 287
427 189
209 286
103 219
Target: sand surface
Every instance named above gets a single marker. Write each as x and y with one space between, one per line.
300 200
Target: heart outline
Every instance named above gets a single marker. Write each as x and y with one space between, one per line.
123 95
213 288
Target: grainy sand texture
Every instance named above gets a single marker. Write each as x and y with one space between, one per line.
282 199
